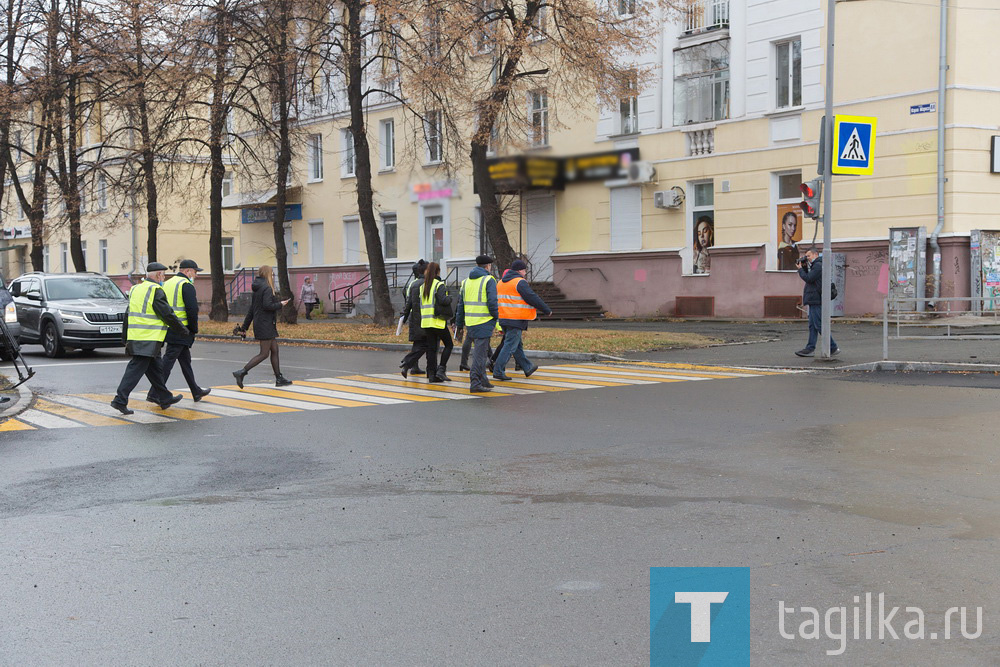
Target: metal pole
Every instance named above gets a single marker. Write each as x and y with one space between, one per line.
828 185
885 329
941 180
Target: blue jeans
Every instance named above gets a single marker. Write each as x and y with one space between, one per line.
815 325
511 346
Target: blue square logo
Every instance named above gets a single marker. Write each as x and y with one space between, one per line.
699 616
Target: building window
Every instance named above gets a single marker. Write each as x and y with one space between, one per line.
539 101
316 243
46 266
788 73
83 251
433 135
350 157
702 225
227 254
389 238
315 157
626 218
629 106
102 192
788 219
102 255
540 23
701 83
387 143
64 257
227 184
20 211
626 8
83 200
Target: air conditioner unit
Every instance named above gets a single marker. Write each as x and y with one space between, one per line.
641 172
668 198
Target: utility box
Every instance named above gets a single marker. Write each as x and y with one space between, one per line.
984 267
908 267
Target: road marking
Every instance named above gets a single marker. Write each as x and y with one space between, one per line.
300 388
172 412
249 406
321 400
76 414
45 420
234 392
379 383
734 370
74 363
438 387
15 425
222 410
101 407
329 384
661 375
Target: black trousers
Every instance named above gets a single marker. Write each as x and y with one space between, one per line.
433 336
181 354
152 368
417 350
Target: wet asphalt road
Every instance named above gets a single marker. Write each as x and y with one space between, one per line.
515 531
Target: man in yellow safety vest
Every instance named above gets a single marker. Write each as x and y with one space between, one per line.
149 316
478 311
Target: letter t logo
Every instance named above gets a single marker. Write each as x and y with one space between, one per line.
701 612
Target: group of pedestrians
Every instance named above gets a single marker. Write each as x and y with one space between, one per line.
165 311
484 306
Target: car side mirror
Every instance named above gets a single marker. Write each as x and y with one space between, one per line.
32 296
15 289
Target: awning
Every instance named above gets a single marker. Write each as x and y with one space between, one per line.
13 247
258 198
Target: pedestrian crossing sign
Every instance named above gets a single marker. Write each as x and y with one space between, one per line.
854 145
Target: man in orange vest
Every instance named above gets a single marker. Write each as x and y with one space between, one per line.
518 306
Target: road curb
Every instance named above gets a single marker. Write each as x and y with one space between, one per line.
926 366
20 404
400 347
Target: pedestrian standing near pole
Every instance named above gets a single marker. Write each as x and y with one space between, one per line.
144 330
478 312
263 314
411 314
811 272
435 311
183 299
307 295
518 306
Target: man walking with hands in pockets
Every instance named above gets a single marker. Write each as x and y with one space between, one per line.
478 311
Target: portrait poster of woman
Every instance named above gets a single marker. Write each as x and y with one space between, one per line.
704 238
789 221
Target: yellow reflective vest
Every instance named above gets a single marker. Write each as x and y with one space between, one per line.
427 319
175 296
474 300
143 322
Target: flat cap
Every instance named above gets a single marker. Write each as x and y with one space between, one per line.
190 264
483 260
155 266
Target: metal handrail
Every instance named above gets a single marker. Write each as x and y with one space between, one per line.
238 285
893 315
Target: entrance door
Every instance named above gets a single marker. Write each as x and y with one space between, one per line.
352 242
541 229
435 236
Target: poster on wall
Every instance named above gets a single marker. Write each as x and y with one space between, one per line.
704 238
789 221
984 248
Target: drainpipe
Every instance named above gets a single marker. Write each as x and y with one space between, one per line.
941 180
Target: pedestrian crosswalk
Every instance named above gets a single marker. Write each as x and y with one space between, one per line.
356 391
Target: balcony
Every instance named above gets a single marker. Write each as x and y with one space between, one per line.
704 15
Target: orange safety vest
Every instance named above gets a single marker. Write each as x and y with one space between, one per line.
512 305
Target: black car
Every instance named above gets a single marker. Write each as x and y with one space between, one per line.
59 311
10 321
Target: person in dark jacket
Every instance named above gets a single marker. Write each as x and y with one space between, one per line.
263 314
516 298
411 314
183 299
811 272
145 327
478 311
435 314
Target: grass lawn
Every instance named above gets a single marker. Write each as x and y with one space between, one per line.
601 341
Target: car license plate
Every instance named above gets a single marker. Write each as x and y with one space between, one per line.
111 329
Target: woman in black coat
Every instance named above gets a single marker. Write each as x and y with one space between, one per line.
411 314
263 313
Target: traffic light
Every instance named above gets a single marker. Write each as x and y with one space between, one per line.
812 192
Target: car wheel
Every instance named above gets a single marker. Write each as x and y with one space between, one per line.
50 341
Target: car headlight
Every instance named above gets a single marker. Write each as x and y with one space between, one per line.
70 315
10 314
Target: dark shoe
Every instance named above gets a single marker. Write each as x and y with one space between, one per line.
489 366
463 367
239 375
404 372
176 398
488 384
416 371
529 371
517 367
806 352
435 379
202 394
281 381
122 408
835 351
150 399
441 375
479 390
501 376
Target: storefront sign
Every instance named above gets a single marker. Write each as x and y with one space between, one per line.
267 213
19 232
527 172
435 190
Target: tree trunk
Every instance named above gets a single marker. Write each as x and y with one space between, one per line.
363 167
489 207
220 307
279 70
149 177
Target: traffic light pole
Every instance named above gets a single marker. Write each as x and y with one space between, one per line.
828 158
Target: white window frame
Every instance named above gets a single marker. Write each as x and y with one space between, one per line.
315 253
346 254
777 200
625 8
433 137
538 109
540 24
349 168
64 257
227 183
793 76
102 192
228 242
102 255
390 219
628 112
715 83
315 158
387 144
83 250
20 210
693 211
45 259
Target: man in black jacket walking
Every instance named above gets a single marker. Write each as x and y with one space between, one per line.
183 298
811 271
